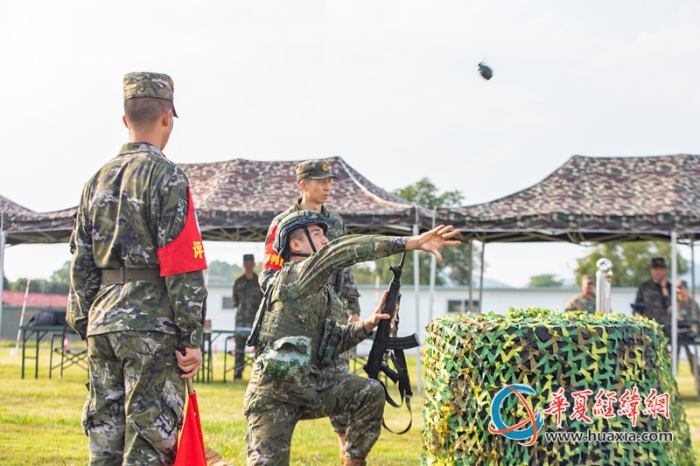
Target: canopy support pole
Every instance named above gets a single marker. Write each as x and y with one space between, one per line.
471 268
416 288
674 302
692 269
481 276
2 262
433 272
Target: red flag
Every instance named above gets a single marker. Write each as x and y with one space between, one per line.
190 451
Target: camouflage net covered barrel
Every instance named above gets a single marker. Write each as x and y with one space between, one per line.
498 386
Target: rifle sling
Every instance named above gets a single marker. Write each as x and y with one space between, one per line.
405 391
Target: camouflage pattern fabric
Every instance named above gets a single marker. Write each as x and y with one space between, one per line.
469 358
348 292
246 300
593 199
300 301
652 303
581 303
271 423
140 84
135 204
133 419
688 310
237 199
336 229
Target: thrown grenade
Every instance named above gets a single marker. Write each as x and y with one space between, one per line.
485 71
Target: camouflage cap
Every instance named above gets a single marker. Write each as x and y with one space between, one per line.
658 263
314 169
587 279
298 219
145 84
248 257
681 284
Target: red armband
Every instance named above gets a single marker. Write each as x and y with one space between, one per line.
185 253
272 260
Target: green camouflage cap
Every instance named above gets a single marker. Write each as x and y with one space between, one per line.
315 169
248 257
144 84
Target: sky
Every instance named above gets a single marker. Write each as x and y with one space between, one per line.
390 86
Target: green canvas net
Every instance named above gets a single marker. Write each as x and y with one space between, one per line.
468 359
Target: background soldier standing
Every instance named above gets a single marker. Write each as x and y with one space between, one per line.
246 300
314 178
654 296
585 301
137 290
297 339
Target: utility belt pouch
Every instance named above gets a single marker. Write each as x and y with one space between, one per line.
287 359
328 351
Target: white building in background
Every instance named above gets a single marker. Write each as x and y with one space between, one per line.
447 300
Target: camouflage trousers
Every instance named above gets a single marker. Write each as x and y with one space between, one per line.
134 407
341 365
271 422
240 355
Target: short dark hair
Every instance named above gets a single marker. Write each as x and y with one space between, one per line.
143 112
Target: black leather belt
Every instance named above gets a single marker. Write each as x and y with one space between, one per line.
123 275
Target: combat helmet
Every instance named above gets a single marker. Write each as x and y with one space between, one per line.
298 219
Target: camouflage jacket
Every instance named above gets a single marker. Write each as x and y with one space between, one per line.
581 303
246 300
300 300
652 303
136 203
688 310
344 281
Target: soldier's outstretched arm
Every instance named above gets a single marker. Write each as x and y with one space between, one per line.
352 249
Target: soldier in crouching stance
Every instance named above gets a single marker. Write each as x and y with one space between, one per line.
297 340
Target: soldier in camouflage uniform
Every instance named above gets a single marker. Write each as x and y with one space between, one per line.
585 301
314 178
688 310
297 339
654 296
136 287
246 300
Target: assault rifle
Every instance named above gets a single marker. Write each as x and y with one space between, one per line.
386 347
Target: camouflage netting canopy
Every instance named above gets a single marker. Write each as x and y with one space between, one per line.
596 199
468 359
237 199
26 226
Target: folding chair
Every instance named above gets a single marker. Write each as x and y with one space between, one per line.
70 356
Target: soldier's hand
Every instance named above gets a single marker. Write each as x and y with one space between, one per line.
430 241
371 322
189 362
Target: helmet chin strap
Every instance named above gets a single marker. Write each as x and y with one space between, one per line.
311 243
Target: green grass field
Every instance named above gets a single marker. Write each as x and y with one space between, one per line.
40 420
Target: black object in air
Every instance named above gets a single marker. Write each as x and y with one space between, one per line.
485 71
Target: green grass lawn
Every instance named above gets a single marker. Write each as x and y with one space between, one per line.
40 420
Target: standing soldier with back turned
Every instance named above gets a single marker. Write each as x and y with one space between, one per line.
314 178
246 300
137 291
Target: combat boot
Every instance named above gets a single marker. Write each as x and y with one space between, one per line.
354 462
